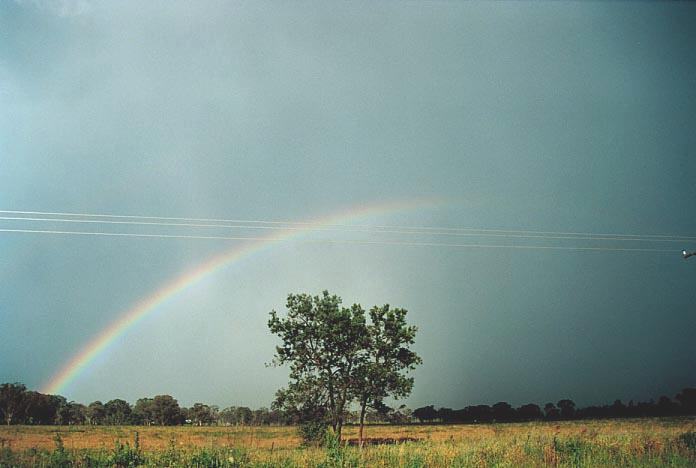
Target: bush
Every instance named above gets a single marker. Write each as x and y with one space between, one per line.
313 432
688 439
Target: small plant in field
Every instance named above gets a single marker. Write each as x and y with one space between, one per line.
337 456
125 457
572 450
7 457
59 457
689 440
210 458
169 457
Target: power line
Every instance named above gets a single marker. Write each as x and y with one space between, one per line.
335 229
440 230
332 241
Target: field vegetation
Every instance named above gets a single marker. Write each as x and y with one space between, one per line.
635 442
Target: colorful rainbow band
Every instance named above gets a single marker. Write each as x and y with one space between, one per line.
129 319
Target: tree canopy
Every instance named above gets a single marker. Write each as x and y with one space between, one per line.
336 357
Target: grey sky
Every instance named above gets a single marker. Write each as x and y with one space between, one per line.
558 116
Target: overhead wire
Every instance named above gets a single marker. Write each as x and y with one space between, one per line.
320 228
331 241
290 225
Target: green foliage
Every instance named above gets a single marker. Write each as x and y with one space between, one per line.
59 458
313 432
689 440
171 456
571 450
335 455
125 456
118 412
337 358
8 457
12 401
210 458
166 411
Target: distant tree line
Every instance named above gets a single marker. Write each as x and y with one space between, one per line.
684 404
21 406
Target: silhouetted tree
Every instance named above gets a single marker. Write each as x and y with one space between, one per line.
529 412
617 409
426 413
502 411
687 400
666 407
551 411
567 408
41 409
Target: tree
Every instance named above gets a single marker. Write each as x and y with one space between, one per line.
551 411
425 414
529 412
235 415
143 411
323 343
379 373
12 400
503 411
567 408
242 415
166 411
71 413
42 409
200 414
118 412
96 413
687 399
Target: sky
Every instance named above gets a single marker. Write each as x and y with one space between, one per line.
526 116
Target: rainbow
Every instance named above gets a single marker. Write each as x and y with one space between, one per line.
81 361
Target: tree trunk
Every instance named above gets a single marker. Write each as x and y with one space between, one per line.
339 426
362 422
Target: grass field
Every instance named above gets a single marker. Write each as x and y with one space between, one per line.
639 442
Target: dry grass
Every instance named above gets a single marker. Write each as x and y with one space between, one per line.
639 442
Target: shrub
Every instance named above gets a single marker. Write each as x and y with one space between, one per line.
313 432
688 439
